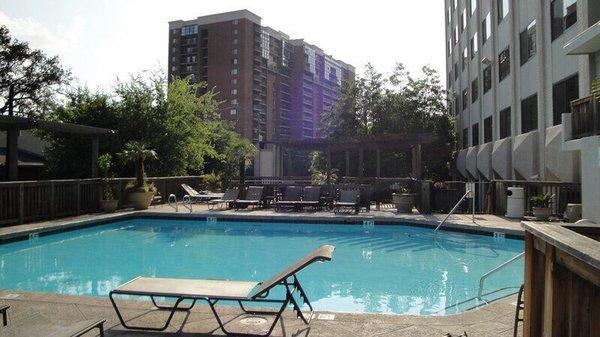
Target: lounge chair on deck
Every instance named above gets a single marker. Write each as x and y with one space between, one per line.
348 199
196 196
213 291
254 197
3 310
312 197
228 198
36 324
291 198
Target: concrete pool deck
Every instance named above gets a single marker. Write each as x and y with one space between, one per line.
495 319
461 222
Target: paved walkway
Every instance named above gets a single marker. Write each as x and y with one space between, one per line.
493 320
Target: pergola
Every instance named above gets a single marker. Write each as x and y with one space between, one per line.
397 142
14 124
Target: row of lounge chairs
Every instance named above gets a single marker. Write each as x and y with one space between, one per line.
293 198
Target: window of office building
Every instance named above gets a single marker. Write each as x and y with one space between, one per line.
504 64
528 43
503 8
235 22
463 19
475 134
235 32
234 101
234 81
465 138
474 90
486 28
448 15
455 34
234 91
449 48
529 114
465 99
234 71
487 78
465 58
474 46
563 93
234 51
564 15
235 41
189 30
505 123
473 6
189 69
233 111
455 4
487 130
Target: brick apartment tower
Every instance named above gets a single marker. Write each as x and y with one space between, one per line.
272 87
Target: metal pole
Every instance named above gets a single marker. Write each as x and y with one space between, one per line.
473 197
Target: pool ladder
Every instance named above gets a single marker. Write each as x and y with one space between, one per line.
501 266
452 212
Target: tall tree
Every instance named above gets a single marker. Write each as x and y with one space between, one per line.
378 105
28 78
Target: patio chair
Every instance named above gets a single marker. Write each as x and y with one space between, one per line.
196 196
312 197
228 197
213 291
291 198
4 312
254 197
349 199
36 324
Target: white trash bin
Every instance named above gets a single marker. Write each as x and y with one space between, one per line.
515 202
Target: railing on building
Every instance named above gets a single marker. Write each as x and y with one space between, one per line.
585 117
26 201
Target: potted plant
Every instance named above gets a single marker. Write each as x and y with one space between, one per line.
404 199
141 192
541 206
108 203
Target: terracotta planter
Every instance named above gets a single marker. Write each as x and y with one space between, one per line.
109 206
404 202
542 213
141 200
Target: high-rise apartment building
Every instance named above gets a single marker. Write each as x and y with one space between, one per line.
272 87
513 82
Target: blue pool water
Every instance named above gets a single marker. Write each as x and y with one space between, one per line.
386 269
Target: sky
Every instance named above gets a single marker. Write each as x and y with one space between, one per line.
102 40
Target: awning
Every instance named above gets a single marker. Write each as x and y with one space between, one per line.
586 42
23 123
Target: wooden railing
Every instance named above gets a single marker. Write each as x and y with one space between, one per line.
585 117
25 201
562 280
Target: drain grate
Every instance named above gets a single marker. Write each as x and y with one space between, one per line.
253 320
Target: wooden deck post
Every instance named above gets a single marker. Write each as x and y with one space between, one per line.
328 167
416 161
347 155
95 147
361 164
12 155
378 163
21 203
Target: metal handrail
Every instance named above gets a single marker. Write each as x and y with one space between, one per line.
486 275
452 211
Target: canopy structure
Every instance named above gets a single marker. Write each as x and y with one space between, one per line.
14 124
402 142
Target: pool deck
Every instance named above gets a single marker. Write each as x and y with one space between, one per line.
461 222
495 319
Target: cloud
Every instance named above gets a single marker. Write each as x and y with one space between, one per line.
57 41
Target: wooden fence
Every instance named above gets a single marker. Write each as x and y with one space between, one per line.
25 201
562 281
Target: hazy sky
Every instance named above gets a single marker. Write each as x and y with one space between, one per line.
101 40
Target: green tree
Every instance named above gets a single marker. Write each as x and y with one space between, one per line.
28 78
400 103
185 129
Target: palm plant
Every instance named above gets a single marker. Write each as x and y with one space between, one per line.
138 153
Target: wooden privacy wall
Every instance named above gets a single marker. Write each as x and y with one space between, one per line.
24 201
562 282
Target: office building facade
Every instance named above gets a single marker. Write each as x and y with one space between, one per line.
262 77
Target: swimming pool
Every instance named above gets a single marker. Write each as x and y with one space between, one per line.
393 269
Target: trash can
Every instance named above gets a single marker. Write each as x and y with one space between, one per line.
515 202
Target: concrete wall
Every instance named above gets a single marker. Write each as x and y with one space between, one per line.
589 149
